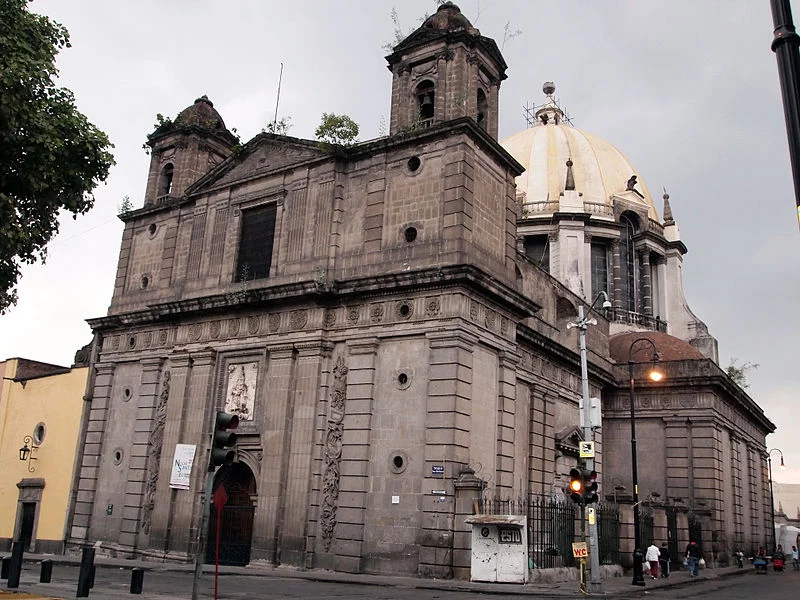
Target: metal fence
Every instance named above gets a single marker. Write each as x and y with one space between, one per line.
608 533
553 525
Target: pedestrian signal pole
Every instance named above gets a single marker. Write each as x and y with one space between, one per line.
222 441
589 423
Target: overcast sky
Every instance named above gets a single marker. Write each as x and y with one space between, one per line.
688 90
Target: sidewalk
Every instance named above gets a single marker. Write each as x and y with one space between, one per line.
618 587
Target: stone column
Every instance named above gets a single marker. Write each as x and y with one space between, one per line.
449 400
468 492
268 517
301 443
354 481
137 470
178 368
92 449
617 274
506 423
198 422
647 289
677 458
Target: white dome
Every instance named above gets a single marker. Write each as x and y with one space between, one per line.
599 169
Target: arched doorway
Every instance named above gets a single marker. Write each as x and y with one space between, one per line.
236 526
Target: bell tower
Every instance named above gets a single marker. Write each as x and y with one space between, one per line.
445 70
185 149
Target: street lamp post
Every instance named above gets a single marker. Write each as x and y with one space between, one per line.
638 575
588 430
771 497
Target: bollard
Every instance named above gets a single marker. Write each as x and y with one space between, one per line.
85 574
137 579
6 565
47 571
15 569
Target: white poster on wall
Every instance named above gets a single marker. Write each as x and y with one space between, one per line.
182 466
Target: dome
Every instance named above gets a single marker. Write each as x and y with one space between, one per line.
667 346
599 169
201 114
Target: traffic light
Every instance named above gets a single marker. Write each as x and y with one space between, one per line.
576 484
583 485
590 487
221 454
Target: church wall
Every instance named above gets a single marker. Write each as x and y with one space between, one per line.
396 461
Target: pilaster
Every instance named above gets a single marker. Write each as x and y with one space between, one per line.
91 453
137 469
161 536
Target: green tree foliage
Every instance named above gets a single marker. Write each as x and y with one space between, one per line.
337 130
738 374
280 127
51 156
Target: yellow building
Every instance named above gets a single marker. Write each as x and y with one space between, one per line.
40 420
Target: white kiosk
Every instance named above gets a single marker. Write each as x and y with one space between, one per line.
499 548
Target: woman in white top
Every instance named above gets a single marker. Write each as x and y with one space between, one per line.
651 556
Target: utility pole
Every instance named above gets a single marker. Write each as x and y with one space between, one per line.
588 432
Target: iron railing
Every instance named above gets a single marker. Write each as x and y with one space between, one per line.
553 525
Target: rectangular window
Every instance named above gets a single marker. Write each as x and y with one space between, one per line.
599 260
537 248
255 242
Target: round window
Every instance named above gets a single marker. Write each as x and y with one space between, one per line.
38 434
398 462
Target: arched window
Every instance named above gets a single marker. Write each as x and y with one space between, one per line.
483 109
165 180
425 101
627 259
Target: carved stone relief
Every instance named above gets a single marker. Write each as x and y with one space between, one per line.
298 319
253 324
432 306
240 396
330 318
154 446
333 453
376 313
274 322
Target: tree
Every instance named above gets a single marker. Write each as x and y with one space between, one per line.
51 156
338 130
738 374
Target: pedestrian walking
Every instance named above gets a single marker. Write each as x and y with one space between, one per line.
693 556
795 559
663 560
651 556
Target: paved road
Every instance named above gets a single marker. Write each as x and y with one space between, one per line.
114 584
773 586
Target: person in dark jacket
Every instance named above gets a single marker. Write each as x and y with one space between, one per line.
693 555
663 560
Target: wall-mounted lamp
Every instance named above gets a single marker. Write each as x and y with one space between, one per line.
26 452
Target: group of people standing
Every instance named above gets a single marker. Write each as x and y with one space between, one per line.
659 559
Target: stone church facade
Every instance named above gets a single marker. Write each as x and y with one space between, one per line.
367 312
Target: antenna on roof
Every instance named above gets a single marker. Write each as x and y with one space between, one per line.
278 99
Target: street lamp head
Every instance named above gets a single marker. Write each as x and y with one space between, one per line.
606 304
23 452
656 375
783 466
